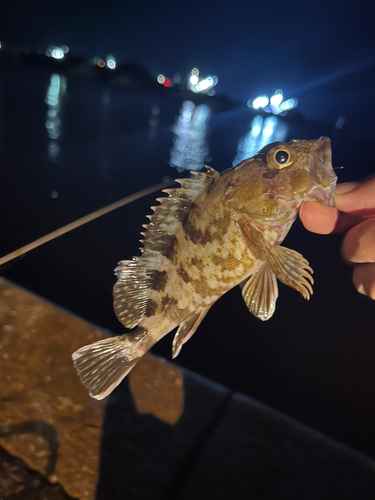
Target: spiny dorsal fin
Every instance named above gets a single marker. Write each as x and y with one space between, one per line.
172 211
133 288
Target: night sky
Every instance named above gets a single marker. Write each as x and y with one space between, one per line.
321 52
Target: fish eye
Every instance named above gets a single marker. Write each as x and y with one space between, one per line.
280 157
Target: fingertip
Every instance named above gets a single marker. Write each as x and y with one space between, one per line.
358 245
364 279
318 218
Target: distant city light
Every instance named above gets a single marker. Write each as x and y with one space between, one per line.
166 82
197 84
111 62
260 102
194 79
289 104
274 104
101 63
205 84
161 79
57 53
0 46
276 99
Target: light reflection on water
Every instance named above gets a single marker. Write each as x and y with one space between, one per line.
262 132
55 92
154 121
190 147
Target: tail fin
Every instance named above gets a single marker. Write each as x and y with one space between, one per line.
101 366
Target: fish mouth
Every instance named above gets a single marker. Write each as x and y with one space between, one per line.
323 177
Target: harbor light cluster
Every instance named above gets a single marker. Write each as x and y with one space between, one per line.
274 104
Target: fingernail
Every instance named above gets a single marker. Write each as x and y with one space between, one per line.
345 187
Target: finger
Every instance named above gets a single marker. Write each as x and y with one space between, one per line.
364 279
356 198
318 218
359 243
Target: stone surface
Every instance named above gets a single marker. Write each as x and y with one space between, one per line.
47 418
17 482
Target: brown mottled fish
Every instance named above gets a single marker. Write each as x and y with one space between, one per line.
214 232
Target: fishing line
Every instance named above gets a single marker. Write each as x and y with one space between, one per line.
83 220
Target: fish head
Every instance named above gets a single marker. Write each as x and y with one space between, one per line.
271 186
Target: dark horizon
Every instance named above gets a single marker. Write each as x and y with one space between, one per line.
321 52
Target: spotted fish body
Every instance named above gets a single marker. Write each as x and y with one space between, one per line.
213 233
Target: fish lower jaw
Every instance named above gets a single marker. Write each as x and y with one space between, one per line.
323 195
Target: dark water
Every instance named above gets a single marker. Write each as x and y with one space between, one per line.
69 146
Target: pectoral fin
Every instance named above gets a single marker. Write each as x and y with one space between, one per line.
185 331
260 292
292 269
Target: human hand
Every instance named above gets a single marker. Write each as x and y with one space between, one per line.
354 214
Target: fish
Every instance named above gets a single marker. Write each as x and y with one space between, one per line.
210 234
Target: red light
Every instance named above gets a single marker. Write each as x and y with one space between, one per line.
166 82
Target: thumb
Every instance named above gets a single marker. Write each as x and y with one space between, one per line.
357 198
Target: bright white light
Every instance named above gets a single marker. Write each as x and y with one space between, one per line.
0 45
193 79
289 104
161 79
276 99
205 84
260 102
57 53
111 62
